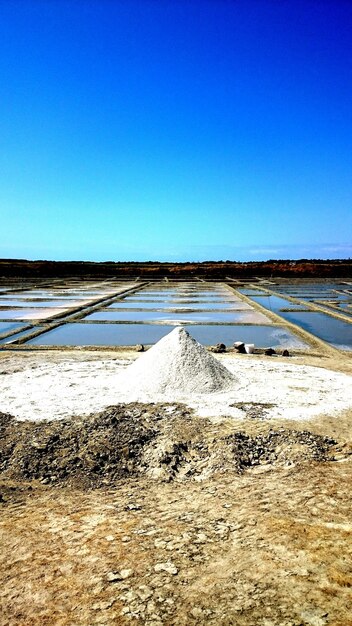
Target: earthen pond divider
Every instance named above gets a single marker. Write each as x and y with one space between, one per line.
66 317
316 342
316 308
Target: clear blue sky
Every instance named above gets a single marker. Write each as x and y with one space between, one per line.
175 130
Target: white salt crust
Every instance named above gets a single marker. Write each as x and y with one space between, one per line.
79 387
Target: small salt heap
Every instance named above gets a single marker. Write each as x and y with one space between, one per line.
177 363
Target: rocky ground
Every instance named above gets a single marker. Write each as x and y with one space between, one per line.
147 514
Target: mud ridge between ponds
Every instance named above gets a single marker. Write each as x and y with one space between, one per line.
162 441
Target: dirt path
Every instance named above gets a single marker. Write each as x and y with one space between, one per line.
268 549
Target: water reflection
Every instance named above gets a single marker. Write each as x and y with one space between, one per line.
249 317
335 331
131 334
6 327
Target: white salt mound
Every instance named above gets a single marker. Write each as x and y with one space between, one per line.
177 362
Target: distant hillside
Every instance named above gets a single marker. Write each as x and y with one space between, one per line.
151 270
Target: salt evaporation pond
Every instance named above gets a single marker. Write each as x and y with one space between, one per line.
42 303
190 305
245 317
28 314
205 295
81 334
274 303
19 335
332 330
15 303
6 327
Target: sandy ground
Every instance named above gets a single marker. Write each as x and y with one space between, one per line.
262 549
268 547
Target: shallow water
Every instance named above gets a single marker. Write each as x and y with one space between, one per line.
336 332
19 314
189 306
6 327
324 297
56 294
315 291
29 293
185 297
40 303
346 307
330 329
184 293
101 335
28 314
185 303
18 335
251 292
273 303
250 317
343 308
132 334
177 300
17 302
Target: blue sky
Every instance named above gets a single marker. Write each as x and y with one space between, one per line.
175 130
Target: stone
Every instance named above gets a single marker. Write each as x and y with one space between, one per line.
144 592
196 612
239 347
159 543
126 610
102 606
130 596
133 507
112 577
201 538
269 352
151 607
219 348
167 567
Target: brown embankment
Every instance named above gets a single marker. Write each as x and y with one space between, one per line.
303 268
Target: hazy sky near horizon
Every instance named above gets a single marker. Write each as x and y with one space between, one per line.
175 129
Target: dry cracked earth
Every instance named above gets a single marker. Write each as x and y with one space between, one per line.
147 514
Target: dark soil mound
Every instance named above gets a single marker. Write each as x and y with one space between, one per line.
282 446
164 441
102 447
